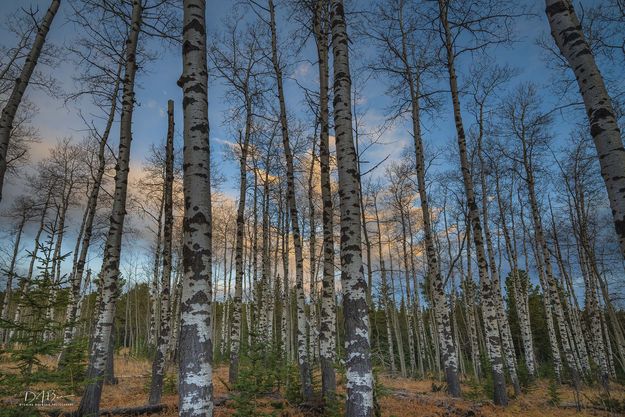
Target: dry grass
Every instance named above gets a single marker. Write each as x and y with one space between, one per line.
405 397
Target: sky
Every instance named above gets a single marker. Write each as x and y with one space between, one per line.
157 83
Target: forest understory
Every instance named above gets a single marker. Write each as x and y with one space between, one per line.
398 397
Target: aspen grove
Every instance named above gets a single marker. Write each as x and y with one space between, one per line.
312 207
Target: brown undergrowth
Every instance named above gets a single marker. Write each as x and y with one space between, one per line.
401 397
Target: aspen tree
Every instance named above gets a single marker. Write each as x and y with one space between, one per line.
569 37
195 384
235 58
158 365
73 311
358 360
489 307
527 126
100 348
19 88
302 354
327 330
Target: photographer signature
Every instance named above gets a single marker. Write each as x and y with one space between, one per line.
44 398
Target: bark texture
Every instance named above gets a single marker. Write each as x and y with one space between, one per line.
10 109
195 385
489 307
441 307
78 270
358 355
100 348
158 366
327 336
569 37
302 345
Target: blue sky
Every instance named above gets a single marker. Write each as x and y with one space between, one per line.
157 84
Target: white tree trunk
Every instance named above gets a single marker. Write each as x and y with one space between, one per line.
305 372
195 385
235 328
502 318
100 348
6 301
441 307
358 361
489 306
569 37
550 284
79 267
327 329
158 366
10 109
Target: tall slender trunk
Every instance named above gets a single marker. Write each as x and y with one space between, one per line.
313 337
158 366
8 292
10 109
519 288
386 302
266 282
235 328
504 327
553 340
225 345
614 320
398 335
91 210
156 269
327 334
270 303
569 37
441 309
305 372
551 285
489 306
255 287
578 341
596 328
287 334
68 189
90 402
417 311
195 384
73 298
472 317
25 282
355 309
409 299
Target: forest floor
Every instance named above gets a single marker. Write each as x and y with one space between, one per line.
401 397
